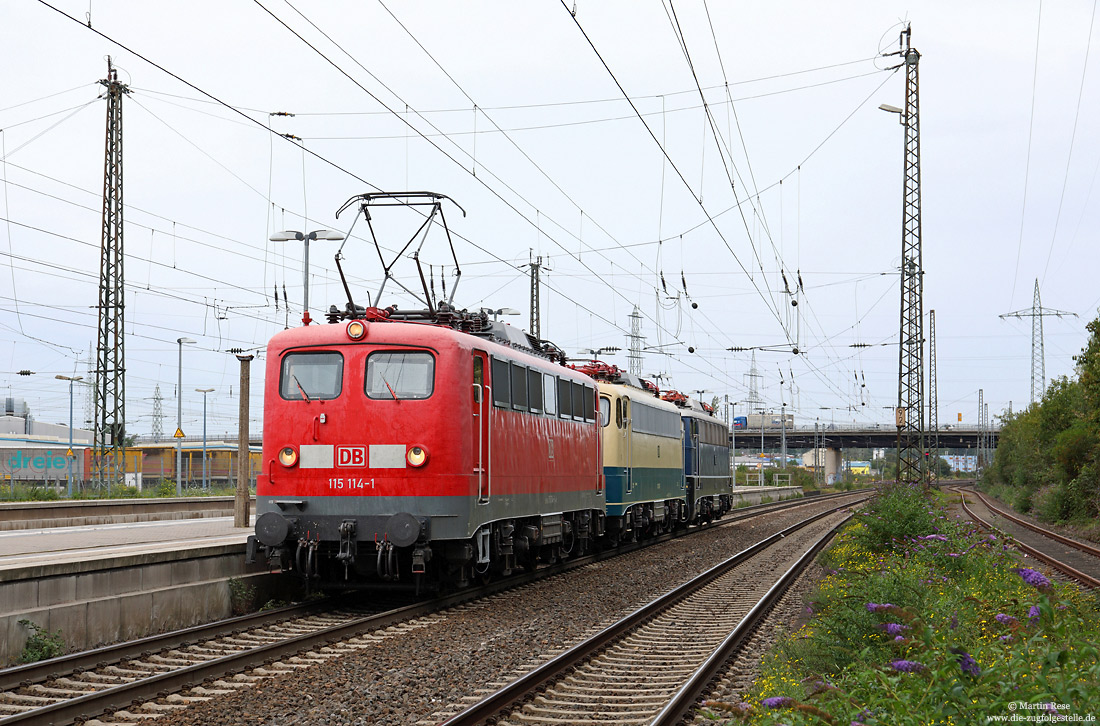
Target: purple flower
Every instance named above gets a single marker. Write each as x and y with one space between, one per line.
1032 577
893 628
967 663
1033 614
907 666
899 639
1004 619
954 621
939 537
1006 638
874 607
778 702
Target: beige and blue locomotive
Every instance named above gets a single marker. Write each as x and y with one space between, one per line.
665 459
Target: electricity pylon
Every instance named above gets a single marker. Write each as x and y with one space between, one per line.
1038 359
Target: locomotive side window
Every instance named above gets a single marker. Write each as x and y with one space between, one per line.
565 400
534 390
578 401
605 411
519 387
550 393
589 404
394 375
618 413
311 376
501 383
649 420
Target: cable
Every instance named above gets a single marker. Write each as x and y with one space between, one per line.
1072 139
1027 167
436 146
710 219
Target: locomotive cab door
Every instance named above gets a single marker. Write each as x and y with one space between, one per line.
481 427
627 442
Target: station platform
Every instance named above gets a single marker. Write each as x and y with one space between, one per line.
104 583
50 550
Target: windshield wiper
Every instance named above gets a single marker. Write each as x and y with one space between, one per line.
300 389
380 375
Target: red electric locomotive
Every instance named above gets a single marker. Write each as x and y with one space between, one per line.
423 447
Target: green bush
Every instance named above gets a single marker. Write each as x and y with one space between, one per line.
242 596
42 644
895 512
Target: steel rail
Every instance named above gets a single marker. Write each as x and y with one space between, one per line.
514 692
1036 528
687 698
1042 556
39 671
45 669
125 694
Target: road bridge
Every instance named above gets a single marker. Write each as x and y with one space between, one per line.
848 436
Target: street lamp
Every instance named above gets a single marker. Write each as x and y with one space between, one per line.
179 418
289 235
71 455
204 391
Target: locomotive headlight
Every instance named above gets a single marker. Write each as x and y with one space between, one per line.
288 457
417 456
356 329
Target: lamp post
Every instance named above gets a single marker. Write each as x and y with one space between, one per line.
204 391
733 438
179 418
70 456
288 235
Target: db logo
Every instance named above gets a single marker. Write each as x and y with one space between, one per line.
351 456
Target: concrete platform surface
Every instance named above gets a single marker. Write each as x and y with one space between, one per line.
34 548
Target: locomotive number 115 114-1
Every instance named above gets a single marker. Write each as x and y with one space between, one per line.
350 483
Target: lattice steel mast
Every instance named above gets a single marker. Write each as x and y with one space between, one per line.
981 429
910 413
933 402
1038 357
634 352
108 460
158 415
536 319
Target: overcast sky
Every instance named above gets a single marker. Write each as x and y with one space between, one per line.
517 112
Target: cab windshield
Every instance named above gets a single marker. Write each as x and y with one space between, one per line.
400 375
311 376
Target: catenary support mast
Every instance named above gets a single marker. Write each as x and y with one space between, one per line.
108 459
933 402
910 415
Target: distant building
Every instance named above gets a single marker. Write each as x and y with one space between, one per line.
859 467
961 463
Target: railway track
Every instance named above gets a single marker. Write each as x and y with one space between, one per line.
653 665
1076 560
142 679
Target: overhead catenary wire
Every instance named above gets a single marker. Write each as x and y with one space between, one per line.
1027 165
1072 141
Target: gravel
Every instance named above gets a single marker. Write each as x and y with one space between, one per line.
422 672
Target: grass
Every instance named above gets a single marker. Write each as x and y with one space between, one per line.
941 625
